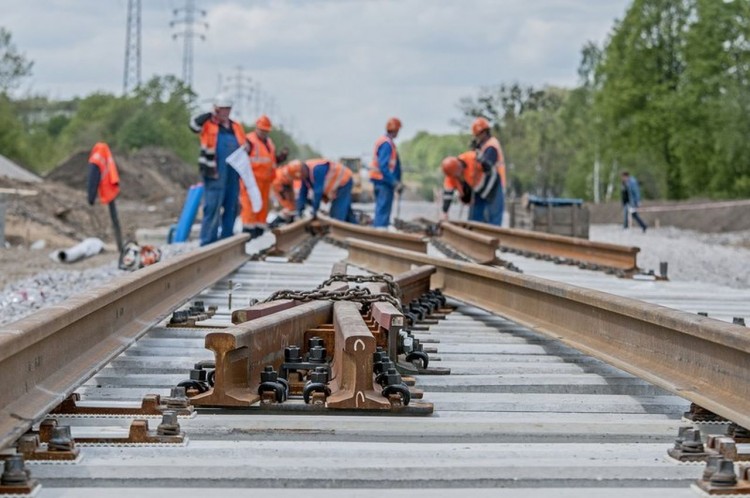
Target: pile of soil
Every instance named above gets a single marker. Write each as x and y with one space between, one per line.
149 175
153 184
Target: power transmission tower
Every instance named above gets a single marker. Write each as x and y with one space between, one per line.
186 16
131 78
243 91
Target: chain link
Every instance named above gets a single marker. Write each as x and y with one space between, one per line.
360 295
385 278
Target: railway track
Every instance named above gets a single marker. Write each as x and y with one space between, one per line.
521 409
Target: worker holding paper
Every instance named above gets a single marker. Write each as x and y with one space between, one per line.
219 138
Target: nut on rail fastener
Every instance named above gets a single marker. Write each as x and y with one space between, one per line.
16 478
688 447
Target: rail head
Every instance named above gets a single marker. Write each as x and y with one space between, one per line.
480 247
291 235
701 359
601 253
46 356
341 231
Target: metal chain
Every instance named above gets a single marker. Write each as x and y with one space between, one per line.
358 295
384 278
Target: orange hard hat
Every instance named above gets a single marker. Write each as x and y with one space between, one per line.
393 124
479 125
451 166
263 123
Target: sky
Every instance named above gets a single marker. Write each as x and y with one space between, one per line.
331 71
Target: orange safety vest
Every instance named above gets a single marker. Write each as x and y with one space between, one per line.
109 182
338 175
375 173
208 137
500 164
472 174
262 158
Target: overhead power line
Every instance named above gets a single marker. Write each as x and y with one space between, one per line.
242 87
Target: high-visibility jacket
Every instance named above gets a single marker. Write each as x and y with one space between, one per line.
262 158
284 184
337 175
470 177
375 172
109 179
209 131
500 163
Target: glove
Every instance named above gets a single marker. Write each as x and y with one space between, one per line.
282 155
399 188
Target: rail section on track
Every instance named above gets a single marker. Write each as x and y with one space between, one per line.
520 411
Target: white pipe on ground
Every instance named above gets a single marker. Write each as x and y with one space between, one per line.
87 248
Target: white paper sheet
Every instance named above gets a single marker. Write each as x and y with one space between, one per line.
240 161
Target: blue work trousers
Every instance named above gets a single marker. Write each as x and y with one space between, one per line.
488 210
341 206
383 205
636 217
219 205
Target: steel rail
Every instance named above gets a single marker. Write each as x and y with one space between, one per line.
46 356
291 235
341 231
477 246
581 250
703 360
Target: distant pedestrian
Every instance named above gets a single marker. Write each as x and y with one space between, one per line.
385 173
219 137
631 199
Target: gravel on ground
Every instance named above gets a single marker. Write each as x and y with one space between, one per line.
720 258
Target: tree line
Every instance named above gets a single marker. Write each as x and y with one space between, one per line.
40 133
666 96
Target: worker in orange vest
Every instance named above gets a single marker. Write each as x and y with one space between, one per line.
486 176
467 177
263 159
385 173
330 182
104 179
283 187
219 137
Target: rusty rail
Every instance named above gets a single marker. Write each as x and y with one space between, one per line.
701 359
477 246
614 256
291 235
242 351
341 231
46 356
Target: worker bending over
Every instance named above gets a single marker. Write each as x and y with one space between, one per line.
283 187
385 173
330 182
483 172
465 175
219 137
263 159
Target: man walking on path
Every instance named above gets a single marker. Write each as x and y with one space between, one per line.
631 199
219 137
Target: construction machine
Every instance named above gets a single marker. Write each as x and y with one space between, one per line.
362 188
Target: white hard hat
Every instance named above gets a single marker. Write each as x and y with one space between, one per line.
223 100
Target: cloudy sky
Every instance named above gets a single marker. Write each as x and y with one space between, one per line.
336 69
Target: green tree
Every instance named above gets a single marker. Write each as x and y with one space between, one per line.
13 65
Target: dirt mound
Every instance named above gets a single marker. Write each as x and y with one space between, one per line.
149 175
